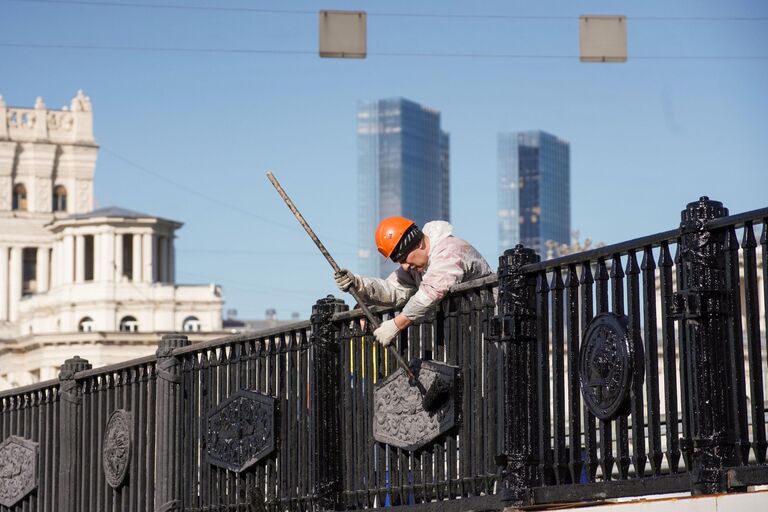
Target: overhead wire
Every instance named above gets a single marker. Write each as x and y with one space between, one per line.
255 253
261 10
214 200
156 49
273 51
246 286
374 54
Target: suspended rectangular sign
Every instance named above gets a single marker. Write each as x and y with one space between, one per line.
343 34
603 38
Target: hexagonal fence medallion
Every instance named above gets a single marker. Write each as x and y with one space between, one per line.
18 469
399 416
241 430
116 451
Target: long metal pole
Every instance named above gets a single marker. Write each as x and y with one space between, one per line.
352 290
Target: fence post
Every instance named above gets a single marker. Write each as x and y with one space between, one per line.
325 454
168 424
70 463
516 327
701 306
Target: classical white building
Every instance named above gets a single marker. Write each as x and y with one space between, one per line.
73 280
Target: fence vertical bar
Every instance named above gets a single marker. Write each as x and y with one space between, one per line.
326 458
670 359
648 267
700 305
466 433
558 378
606 433
752 306
452 357
623 458
685 378
575 458
167 436
639 457
517 327
542 377
735 367
586 282
69 434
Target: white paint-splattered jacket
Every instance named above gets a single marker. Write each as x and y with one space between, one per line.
451 261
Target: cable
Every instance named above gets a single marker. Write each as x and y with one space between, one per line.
214 200
168 6
382 14
256 253
253 287
156 49
374 54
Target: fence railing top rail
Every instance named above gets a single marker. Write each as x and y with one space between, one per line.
117 367
739 219
654 240
30 388
604 252
458 289
248 336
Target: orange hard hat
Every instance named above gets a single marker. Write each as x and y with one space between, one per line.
393 230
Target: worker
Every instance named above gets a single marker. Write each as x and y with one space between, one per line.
431 261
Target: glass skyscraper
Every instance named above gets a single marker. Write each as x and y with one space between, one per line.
403 166
534 190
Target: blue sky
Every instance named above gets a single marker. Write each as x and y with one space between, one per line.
202 128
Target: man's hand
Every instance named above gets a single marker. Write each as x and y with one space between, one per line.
387 333
345 279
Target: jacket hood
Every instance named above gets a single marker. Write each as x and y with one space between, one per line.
437 231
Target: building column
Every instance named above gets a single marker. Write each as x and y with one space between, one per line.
67 258
79 258
162 275
62 266
51 262
43 269
137 263
14 283
3 283
58 271
54 270
171 260
118 257
108 256
148 260
98 263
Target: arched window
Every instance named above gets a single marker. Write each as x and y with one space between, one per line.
59 198
85 325
129 324
191 324
19 197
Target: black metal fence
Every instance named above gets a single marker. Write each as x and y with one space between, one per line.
627 370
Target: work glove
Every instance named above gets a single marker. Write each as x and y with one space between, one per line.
345 279
386 333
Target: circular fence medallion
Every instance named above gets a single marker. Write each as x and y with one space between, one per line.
116 451
606 366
